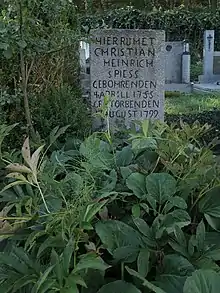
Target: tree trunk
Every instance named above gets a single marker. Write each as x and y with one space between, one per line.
25 76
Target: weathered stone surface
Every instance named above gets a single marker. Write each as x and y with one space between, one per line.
173 62
128 66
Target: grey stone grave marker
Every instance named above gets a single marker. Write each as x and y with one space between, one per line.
128 66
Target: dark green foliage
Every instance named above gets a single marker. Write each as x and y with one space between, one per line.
136 214
210 117
62 106
179 23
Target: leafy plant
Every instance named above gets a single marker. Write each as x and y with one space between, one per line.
139 213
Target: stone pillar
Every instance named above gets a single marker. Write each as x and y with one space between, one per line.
82 55
208 50
186 64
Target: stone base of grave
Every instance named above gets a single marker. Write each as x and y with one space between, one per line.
178 87
208 79
206 88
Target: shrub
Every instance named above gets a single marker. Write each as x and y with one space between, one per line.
179 23
62 106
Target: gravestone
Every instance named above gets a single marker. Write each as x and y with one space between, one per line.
216 63
128 66
173 62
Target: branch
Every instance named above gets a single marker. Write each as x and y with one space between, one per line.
29 71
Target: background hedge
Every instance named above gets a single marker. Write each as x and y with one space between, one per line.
179 23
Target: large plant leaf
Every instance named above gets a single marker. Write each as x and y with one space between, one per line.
109 184
143 262
180 237
136 182
200 236
202 281
97 153
119 287
146 231
171 283
178 218
175 271
210 203
90 261
124 157
115 234
127 254
175 201
214 222
160 186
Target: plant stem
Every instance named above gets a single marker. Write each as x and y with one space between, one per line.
122 271
42 196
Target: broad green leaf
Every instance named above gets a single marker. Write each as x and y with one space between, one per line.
171 283
176 218
214 222
143 262
75 279
127 254
146 231
202 281
94 280
200 236
175 264
72 289
125 172
160 186
110 183
175 201
136 182
90 261
115 234
145 283
180 237
140 144
119 287
136 211
210 203
179 248
206 264
124 157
